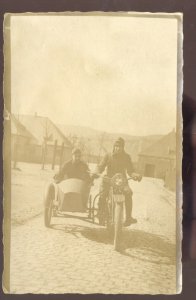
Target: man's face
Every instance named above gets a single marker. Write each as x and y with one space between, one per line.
76 157
118 149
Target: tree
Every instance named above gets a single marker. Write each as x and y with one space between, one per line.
47 136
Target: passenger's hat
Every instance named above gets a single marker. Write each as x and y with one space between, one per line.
76 151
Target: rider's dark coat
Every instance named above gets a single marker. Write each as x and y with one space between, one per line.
116 163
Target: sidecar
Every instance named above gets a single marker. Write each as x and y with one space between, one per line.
70 195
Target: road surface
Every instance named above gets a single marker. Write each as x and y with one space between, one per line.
76 256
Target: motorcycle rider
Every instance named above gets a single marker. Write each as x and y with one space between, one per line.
117 162
74 168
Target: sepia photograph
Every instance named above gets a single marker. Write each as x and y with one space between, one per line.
92 128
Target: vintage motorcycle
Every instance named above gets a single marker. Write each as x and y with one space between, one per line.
111 211
73 195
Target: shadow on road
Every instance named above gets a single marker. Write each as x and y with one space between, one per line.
149 247
137 244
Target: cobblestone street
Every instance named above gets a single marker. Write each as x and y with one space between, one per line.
76 256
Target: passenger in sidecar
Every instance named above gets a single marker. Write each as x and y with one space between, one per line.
74 168
70 190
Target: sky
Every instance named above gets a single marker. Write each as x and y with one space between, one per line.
111 73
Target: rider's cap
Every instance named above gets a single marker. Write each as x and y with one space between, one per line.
76 151
120 142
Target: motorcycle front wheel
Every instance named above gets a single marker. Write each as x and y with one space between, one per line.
118 224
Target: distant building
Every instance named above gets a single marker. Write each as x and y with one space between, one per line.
36 135
159 160
21 139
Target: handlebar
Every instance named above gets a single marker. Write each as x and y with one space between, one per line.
135 177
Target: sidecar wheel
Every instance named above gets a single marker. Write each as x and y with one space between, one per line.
48 210
48 216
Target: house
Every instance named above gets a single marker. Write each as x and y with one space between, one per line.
159 160
46 139
21 139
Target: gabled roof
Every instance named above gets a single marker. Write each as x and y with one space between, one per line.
43 128
165 147
19 129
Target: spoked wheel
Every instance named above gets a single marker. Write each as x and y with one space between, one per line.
102 212
48 216
48 212
54 212
118 226
101 218
110 230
